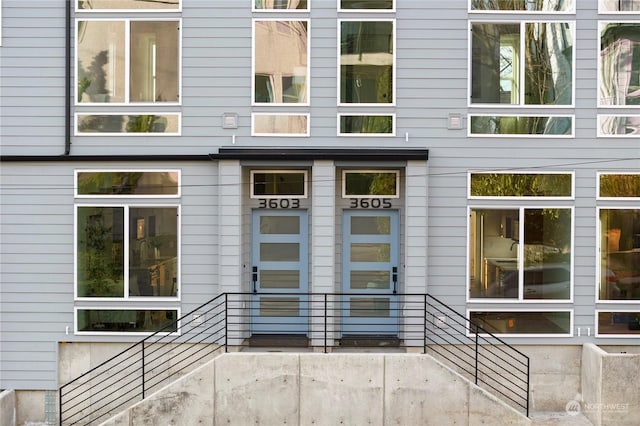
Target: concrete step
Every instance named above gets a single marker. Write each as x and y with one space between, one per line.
564 419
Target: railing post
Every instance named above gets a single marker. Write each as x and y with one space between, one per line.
477 333
142 343
528 387
60 406
424 326
226 322
325 323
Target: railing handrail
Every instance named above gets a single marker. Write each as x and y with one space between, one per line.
222 319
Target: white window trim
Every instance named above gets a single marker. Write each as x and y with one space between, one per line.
253 64
361 135
127 196
176 10
393 67
520 258
522 69
571 11
515 135
77 132
521 172
619 172
127 54
602 24
613 336
256 10
347 171
520 309
126 297
283 171
284 135
392 10
125 308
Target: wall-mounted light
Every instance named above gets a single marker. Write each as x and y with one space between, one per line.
229 120
455 121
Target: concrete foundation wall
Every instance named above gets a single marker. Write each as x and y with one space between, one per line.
7 408
610 387
321 389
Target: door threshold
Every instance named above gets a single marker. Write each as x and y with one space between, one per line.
278 340
370 341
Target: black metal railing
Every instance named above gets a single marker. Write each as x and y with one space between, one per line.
329 321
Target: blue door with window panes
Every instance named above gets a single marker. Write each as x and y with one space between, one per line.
370 246
279 272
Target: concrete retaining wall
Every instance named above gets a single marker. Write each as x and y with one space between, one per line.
7 408
610 387
321 389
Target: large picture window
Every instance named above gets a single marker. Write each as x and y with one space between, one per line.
619 6
126 251
281 62
619 65
522 63
127 61
367 58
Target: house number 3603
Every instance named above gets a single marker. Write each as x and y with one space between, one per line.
279 203
370 203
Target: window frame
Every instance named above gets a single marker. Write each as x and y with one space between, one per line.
520 300
341 10
133 10
522 198
572 11
394 79
252 173
77 132
602 11
256 10
127 71
523 135
126 206
360 135
126 196
522 69
523 310
127 308
253 64
600 134
307 132
611 335
620 172
599 80
346 171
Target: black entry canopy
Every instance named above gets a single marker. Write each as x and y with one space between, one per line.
353 154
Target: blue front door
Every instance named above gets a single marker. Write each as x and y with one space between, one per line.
370 246
279 272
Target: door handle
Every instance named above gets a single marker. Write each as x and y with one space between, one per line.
394 277
254 279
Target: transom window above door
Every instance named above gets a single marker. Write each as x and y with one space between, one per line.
278 183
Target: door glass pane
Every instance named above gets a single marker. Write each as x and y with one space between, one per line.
366 62
279 252
370 225
154 61
279 307
370 307
280 225
370 252
279 279
370 280
620 254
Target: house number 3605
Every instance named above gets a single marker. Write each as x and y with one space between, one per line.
370 203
